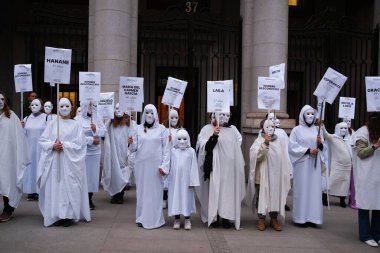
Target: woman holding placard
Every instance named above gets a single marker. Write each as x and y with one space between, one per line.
366 166
152 158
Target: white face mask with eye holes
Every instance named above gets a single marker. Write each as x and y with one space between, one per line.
309 116
149 116
277 123
35 106
173 116
342 131
48 107
223 118
182 139
64 107
269 127
118 113
348 122
2 102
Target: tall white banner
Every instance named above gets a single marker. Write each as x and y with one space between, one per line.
89 86
174 91
278 71
347 108
57 65
330 85
372 89
268 95
218 97
321 108
131 93
23 77
106 105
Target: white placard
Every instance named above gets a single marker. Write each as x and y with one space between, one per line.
89 86
347 108
230 84
319 109
372 89
268 95
330 85
218 97
174 91
106 105
57 65
23 77
278 71
131 93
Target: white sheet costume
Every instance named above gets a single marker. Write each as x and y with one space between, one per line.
35 124
14 157
223 192
271 161
63 186
340 160
93 150
183 174
48 108
150 144
116 174
307 179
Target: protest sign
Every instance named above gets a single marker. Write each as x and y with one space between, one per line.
330 85
131 93
279 72
346 108
174 91
106 105
372 89
89 86
23 77
268 95
57 65
218 97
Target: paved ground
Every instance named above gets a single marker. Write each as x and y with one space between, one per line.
113 230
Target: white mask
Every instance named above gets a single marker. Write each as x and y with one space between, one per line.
272 117
223 118
35 106
348 121
149 116
2 102
173 116
277 123
118 113
79 110
342 131
269 127
48 107
309 116
64 107
182 139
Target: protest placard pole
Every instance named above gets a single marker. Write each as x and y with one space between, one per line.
170 133
22 105
319 129
59 158
217 119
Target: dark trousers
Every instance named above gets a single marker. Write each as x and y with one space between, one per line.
7 208
369 228
179 216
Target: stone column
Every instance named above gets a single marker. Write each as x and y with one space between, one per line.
113 40
376 21
265 43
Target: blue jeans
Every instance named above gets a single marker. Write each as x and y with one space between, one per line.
369 229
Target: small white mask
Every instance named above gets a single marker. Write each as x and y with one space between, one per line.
272 117
348 121
118 113
223 118
343 131
64 107
149 116
269 127
2 102
48 107
173 116
182 139
309 116
79 110
35 106
277 123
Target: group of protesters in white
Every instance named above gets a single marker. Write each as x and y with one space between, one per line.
56 161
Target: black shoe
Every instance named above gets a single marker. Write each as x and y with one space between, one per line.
30 197
120 197
312 225
301 225
343 202
5 216
214 224
324 199
226 223
67 223
58 223
35 196
287 208
114 199
92 206
139 224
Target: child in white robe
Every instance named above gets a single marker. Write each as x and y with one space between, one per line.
182 178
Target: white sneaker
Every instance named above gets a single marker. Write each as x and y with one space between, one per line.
187 224
371 243
177 224
165 204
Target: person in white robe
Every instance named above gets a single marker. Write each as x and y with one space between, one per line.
269 177
61 171
366 159
182 178
78 113
350 135
339 164
115 173
221 169
306 150
94 130
172 125
14 158
131 154
48 109
150 144
34 125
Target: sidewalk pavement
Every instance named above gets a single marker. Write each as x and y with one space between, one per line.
113 230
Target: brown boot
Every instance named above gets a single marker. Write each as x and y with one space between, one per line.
275 225
261 224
